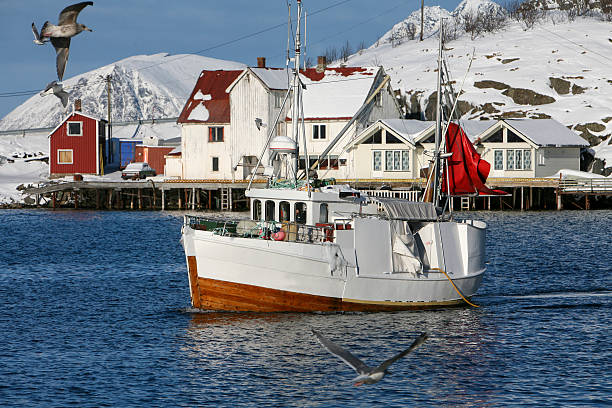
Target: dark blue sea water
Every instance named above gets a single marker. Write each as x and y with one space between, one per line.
94 312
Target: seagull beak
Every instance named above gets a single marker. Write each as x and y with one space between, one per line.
89 29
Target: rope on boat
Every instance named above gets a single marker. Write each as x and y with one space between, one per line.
455 287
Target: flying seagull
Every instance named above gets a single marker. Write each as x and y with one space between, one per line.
367 375
57 90
60 34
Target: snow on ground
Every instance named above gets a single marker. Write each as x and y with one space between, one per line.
578 52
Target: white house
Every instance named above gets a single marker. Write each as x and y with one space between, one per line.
228 117
529 148
387 149
518 148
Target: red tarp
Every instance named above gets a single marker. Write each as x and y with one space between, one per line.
468 172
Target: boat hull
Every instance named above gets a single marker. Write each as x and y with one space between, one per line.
236 274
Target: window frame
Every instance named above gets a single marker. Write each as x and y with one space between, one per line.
269 210
303 218
213 134
393 155
65 150
380 161
215 160
68 123
495 152
316 131
256 211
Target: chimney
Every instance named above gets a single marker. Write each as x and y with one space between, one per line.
77 105
261 62
321 63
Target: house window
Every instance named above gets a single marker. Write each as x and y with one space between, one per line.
278 99
215 134
283 211
377 160
510 160
392 139
376 138
513 137
318 132
497 137
64 156
526 159
378 99
300 213
397 160
518 160
215 164
256 210
270 207
74 128
498 159
541 159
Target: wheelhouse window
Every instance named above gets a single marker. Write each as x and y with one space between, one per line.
215 164
74 128
376 138
256 210
64 156
498 159
318 132
270 207
323 213
284 209
215 134
300 213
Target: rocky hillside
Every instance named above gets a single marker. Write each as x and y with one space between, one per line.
560 67
142 87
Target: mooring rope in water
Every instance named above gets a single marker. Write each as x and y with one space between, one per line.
455 287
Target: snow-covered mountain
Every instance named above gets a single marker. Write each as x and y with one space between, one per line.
558 68
142 87
432 17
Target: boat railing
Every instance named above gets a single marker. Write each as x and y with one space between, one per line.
269 230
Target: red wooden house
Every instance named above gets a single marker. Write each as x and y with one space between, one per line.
154 155
77 146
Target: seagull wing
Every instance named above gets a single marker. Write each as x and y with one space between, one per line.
416 343
70 13
62 48
63 95
36 34
355 363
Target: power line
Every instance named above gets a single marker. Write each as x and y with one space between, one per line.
222 44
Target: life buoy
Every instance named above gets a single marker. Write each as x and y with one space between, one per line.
278 236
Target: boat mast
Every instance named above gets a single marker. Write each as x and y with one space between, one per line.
296 96
438 139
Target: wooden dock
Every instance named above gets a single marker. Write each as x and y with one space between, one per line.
228 195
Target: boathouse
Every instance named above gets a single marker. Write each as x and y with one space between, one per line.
387 149
77 145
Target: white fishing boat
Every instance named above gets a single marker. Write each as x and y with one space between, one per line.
311 245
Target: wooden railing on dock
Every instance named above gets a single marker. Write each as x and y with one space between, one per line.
587 186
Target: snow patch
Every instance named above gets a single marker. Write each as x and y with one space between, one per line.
199 112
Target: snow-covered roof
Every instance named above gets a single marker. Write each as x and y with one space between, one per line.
546 132
209 101
160 131
409 129
336 93
274 78
474 128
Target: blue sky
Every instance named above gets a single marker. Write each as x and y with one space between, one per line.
132 27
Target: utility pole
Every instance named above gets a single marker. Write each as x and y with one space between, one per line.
422 7
108 80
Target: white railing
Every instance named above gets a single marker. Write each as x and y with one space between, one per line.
404 194
594 185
